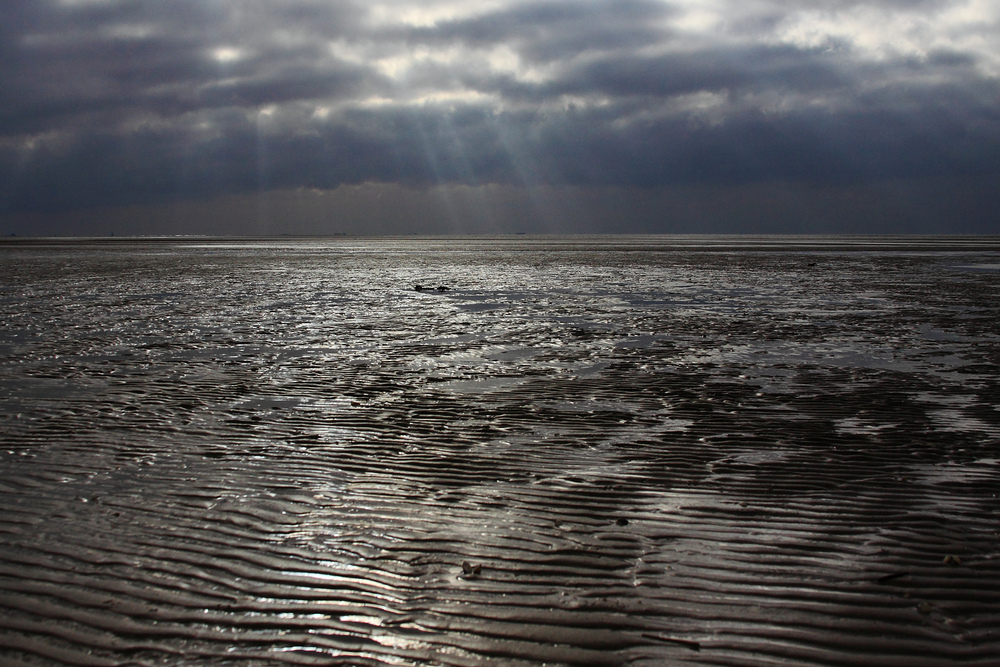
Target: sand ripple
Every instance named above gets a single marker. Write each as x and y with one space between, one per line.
578 454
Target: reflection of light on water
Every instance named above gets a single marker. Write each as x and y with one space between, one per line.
951 416
982 470
979 267
367 620
856 426
396 641
953 420
672 425
765 456
339 579
480 385
950 400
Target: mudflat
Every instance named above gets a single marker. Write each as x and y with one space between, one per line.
611 450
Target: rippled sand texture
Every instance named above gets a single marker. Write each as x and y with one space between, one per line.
629 451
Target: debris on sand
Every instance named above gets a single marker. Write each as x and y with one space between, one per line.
470 571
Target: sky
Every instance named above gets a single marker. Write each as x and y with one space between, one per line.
252 117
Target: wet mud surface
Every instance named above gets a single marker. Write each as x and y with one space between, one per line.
617 452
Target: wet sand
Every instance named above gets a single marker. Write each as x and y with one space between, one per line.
622 451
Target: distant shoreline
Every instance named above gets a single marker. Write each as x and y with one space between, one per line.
649 242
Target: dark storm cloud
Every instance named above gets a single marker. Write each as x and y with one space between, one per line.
64 64
545 31
729 69
111 102
473 146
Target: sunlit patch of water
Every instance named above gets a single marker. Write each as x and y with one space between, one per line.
857 426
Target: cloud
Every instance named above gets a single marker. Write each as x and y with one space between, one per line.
542 32
126 102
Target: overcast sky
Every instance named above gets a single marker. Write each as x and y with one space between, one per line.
326 116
